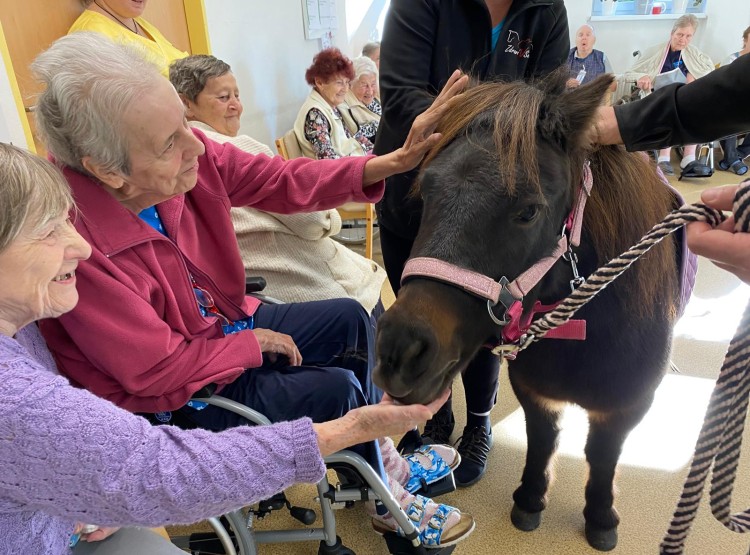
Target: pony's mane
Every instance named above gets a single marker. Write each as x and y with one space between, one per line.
612 222
511 111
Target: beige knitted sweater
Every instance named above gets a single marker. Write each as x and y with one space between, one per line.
295 252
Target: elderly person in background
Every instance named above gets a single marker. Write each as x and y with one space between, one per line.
734 155
372 51
165 281
585 62
364 106
70 456
294 252
121 21
320 127
675 61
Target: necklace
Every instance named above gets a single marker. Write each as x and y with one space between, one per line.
113 16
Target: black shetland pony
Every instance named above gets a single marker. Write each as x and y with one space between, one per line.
497 191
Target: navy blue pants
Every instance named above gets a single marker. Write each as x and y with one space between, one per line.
336 341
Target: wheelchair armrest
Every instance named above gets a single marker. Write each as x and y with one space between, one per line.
254 284
249 414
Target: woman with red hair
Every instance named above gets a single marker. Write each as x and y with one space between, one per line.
320 127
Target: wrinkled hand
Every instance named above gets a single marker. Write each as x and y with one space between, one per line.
644 83
722 245
372 422
97 535
422 136
273 343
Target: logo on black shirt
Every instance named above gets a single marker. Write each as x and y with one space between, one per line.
519 47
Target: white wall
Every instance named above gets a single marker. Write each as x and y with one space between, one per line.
11 130
264 42
718 35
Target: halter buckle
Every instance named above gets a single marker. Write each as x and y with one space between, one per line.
505 299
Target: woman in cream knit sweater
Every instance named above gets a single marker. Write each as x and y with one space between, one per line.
295 253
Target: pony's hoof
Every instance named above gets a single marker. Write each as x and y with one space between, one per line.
524 521
600 538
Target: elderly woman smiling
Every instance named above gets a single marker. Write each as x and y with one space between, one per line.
70 456
320 127
165 282
364 106
294 252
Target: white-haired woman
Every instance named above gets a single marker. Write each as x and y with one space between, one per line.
70 457
362 99
166 284
675 61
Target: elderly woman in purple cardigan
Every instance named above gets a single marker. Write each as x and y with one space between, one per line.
69 458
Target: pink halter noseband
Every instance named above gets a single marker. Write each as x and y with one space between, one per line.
511 294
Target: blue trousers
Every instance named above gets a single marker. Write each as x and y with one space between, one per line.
336 341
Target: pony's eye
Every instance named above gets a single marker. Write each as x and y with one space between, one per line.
528 213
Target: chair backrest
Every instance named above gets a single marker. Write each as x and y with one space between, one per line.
288 146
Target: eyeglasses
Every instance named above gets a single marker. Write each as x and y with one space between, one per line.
206 301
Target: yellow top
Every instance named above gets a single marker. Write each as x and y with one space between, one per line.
160 50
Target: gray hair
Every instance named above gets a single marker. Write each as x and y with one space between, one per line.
91 82
190 75
364 66
30 189
687 20
370 48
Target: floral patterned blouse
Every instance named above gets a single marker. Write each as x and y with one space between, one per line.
318 132
370 129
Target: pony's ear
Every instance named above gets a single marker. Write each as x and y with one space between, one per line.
567 117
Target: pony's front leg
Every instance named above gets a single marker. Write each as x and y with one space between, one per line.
607 433
542 431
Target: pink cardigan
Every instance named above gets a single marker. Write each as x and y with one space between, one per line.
136 336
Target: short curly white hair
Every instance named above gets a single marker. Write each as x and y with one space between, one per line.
364 66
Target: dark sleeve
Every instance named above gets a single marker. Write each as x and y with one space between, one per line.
709 108
406 56
555 51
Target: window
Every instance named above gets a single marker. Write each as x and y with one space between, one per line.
647 7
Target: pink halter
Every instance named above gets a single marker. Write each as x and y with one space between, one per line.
510 294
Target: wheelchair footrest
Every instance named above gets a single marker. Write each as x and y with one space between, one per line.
401 546
445 485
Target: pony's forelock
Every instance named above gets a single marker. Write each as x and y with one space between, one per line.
514 109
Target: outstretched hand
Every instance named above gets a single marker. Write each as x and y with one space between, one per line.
422 136
374 421
722 245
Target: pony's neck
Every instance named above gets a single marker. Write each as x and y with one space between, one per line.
498 9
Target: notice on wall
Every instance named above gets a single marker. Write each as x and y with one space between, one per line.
319 18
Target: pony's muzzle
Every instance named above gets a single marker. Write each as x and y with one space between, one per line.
406 366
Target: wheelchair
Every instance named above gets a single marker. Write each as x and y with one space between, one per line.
233 533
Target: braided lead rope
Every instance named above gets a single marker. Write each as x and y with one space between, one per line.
719 442
605 275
